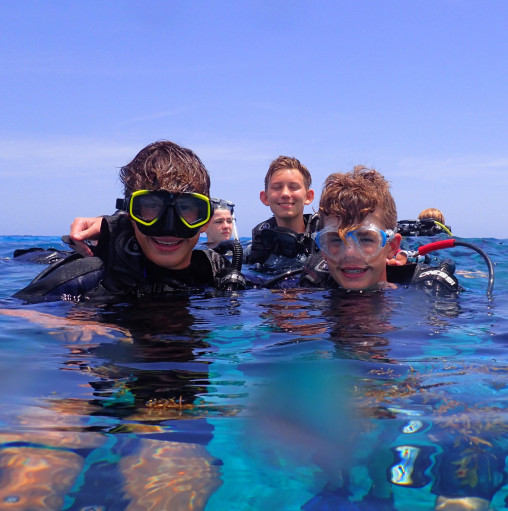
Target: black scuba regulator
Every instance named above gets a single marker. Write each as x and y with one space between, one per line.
450 243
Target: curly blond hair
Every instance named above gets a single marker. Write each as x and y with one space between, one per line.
353 195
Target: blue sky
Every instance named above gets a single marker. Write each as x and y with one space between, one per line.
416 89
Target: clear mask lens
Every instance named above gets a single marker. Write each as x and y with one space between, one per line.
367 240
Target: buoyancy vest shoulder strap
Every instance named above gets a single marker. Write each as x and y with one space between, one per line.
311 223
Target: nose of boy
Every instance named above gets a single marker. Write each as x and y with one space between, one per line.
285 192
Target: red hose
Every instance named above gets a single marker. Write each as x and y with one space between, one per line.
437 245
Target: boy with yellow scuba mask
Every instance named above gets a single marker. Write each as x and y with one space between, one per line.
150 250
160 212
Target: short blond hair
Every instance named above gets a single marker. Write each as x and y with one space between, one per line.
433 213
288 162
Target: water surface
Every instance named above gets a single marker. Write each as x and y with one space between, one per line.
296 399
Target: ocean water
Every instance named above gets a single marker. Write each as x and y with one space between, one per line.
258 400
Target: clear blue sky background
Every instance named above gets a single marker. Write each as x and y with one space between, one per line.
416 89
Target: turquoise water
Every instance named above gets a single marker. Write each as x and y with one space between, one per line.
259 400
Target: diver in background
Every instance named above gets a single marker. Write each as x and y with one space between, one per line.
430 222
286 238
220 227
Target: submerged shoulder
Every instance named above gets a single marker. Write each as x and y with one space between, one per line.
72 276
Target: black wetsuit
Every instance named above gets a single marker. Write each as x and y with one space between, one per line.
302 245
120 271
437 279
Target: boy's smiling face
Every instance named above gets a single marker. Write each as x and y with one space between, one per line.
168 241
351 269
286 196
167 251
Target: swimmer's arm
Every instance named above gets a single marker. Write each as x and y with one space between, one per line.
83 330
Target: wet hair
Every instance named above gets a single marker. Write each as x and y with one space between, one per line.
164 165
433 213
353 195
288 162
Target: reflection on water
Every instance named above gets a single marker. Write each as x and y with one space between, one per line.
294 399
